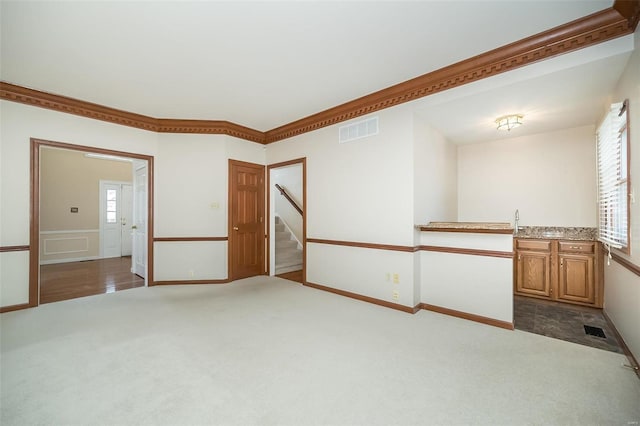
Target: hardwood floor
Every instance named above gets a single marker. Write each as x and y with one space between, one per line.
63 281
292 276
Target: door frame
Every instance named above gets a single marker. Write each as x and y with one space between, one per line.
34 198
272 191
230 238
123 229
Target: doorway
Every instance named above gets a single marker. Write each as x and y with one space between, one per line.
287 219
78 253
116 217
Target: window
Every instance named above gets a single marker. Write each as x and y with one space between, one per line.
613 178
112 207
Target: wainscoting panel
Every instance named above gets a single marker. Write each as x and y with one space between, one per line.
14 275
381 274
478 285
69 246
190 260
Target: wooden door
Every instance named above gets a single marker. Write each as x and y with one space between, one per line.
534 273
246 220
576 282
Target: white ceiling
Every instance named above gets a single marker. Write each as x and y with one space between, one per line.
264 64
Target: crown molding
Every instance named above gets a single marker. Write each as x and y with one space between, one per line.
169 125
592 29
24 95
630 9
619 20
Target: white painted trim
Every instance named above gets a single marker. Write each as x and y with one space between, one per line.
48 253
72 231
74 259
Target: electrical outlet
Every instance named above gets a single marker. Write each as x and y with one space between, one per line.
396 278
396 295
191 273
388 276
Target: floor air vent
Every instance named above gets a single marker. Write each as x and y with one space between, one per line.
594 331
358 130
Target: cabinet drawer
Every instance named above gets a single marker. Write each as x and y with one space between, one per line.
534 244
587 247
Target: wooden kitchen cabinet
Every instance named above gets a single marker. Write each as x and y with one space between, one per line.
564 271
533 266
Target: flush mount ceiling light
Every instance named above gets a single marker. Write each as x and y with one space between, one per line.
508 122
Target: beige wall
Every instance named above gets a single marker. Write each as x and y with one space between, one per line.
69 179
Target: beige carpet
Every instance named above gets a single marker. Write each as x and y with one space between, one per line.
266 351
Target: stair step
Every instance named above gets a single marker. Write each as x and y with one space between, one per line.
283 236
284 244
292 258
284 270
288 256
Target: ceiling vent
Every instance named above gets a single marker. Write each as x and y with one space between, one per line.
358 130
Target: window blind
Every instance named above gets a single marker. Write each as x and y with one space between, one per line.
612 177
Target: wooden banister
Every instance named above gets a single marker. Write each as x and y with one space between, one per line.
283 192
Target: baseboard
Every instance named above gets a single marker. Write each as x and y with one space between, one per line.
396 306
467 316
623 345
70 260
14 307
181 282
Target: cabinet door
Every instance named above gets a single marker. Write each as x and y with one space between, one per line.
576 281
534 273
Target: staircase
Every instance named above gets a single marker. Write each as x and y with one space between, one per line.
288 255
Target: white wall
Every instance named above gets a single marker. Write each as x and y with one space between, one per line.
19 123
479 285
622 287
360 191
549 177
191 201
435 187
191 173
435 165
191 186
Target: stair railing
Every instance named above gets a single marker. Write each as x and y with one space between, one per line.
284 193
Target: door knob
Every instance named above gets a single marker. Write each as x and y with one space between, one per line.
134 227
235 228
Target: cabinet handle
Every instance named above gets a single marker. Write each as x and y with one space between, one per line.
518 257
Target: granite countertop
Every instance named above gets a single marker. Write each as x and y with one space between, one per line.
478 227
557 233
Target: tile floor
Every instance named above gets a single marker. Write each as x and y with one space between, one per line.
563 321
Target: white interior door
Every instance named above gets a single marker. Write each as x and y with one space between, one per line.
139 256
110 232
126 219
